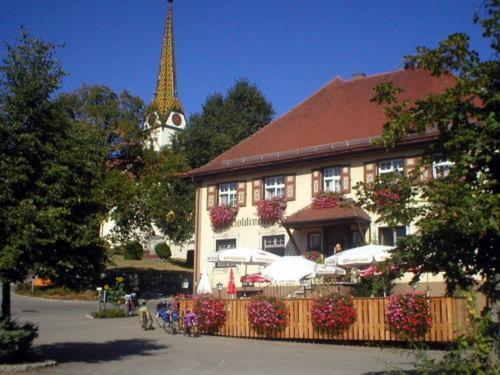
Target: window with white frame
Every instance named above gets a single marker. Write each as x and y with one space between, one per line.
225 244
227 194
441 168
274 244
274 186
331 180
390 166
391 236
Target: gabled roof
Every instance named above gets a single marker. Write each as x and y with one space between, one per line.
339 116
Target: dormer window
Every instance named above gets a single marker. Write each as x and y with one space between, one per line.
274 186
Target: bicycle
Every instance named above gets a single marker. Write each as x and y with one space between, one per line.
130 304
145 317
168 318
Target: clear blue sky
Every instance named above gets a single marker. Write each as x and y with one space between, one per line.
289 48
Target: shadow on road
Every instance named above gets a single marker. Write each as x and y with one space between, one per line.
93 352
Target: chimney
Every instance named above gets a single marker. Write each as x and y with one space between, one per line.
358 75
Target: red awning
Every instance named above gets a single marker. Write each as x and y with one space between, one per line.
319 216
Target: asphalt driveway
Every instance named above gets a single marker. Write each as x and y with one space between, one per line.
119 346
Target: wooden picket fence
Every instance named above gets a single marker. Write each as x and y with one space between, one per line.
449 319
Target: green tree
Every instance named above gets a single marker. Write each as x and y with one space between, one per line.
50 168
457 217
223 122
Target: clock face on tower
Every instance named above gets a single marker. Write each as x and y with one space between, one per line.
176 119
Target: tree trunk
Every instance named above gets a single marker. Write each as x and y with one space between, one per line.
5 299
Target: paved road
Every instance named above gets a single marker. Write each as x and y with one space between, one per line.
119 346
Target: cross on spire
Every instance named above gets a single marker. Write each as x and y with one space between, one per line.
166 99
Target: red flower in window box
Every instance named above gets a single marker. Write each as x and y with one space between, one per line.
267 315
327 200
271 210
409 314
333 312
314 256
385 197
223 216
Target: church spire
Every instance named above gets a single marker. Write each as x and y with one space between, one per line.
166 99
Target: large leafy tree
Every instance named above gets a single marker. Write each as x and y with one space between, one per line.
223 122
456 217
50 168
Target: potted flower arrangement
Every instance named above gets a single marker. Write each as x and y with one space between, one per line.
211 312
223 216
333 312
327 200
409 314
271 210
314 255
267 315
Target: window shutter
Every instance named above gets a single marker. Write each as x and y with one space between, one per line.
410 164
211 197
370 173
257 191
426 175
290 188
317 182
345 180
241 194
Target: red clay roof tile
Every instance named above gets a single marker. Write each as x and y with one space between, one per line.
340 111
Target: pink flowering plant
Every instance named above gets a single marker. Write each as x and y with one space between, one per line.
267 315
314 256
271 210
409 314
211 313
223 216
327 200
333 312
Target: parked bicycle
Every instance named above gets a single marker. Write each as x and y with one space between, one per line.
168 317
190 324
130 304
145 317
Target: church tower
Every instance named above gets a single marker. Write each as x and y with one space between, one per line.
167 115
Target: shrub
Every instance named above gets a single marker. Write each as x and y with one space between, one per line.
211 313
333 312
163 250
116 293
115 312
133 250
16 340
267 315
408 314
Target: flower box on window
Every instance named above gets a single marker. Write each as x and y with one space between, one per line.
314 256
271 210
327 200
223 216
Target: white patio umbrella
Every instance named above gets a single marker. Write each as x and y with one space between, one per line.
289 269
204 285
360 255
243 255
325 270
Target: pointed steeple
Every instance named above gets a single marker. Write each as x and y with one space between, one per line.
166 99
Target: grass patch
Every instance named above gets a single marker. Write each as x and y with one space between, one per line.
56 293
114 312
171 264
